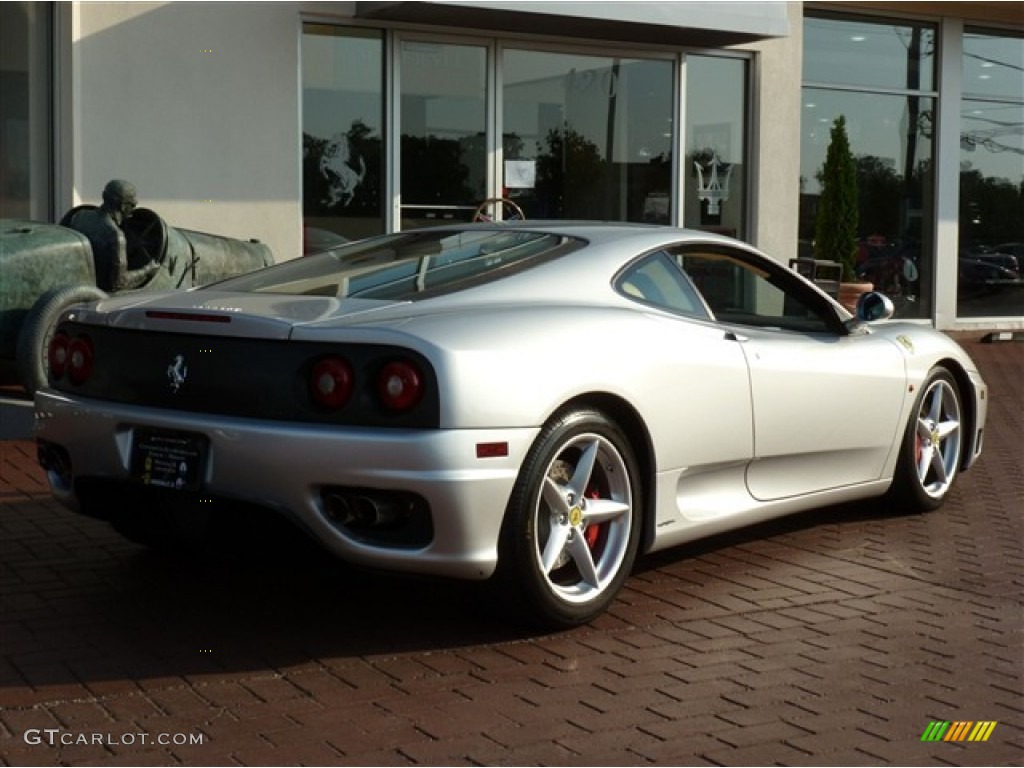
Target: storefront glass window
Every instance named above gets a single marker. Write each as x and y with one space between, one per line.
26 91
716 146
872 54
891 137
443 126
991 254
587 137
342 134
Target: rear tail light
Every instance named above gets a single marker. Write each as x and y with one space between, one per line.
400 385
80 359
330 383
71 357
368 385
57 354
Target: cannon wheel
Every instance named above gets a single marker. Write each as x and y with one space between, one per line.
37 329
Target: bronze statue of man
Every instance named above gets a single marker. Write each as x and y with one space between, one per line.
103 227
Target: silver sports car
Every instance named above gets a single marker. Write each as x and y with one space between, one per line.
537 402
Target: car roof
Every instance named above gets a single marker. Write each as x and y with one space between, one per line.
596 231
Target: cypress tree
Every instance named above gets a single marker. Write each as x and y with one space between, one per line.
835 232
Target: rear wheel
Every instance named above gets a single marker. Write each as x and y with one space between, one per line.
932 446
572 528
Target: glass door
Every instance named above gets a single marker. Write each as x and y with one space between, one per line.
342 135
716 163
443 138
588 136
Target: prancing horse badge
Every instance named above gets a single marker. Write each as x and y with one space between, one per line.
177 372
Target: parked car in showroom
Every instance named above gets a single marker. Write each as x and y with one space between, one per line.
1014 249
47 268
984 268
536 402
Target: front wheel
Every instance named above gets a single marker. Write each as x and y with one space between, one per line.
572 528
932 445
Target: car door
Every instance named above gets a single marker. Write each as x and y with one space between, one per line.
826 402
702 425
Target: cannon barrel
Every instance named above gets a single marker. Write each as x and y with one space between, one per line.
188 258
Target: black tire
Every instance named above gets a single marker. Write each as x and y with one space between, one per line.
932 446
37 329
572 527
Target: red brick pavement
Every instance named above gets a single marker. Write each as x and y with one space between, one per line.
830 638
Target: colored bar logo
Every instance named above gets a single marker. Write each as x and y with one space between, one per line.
959 730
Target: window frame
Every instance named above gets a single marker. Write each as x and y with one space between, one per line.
783 279
684 281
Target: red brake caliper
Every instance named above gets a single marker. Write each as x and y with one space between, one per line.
593 531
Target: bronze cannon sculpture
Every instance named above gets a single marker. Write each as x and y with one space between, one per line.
96 251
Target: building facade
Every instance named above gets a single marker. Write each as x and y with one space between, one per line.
302 123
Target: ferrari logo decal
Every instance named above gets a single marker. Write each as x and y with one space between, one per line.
575 516
177 372
906 342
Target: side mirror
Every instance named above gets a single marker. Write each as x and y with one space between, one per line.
874 306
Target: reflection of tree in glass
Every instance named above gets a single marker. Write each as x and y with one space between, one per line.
704 156
879 192
990 209
512 146
435 171
570 176
835 233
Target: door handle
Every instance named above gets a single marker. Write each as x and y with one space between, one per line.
733 336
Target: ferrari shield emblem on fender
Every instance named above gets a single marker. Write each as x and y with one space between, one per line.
906 342
177 372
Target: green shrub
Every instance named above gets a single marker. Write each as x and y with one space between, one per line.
835 232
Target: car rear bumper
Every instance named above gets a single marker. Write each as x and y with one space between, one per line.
290 467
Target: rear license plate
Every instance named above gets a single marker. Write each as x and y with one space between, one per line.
168 459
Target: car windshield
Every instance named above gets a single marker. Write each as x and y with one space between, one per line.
406 266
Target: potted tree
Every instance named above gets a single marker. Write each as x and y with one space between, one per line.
835 232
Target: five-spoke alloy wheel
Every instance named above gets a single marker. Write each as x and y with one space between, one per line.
932 446
573 523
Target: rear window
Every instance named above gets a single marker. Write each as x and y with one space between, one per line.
406 266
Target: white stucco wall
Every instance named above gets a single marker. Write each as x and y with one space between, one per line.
198 105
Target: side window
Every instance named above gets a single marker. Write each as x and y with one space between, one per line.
741 290
656 280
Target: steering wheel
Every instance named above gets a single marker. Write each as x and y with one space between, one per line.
498 205
141 224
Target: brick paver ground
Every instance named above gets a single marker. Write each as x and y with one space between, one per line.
830 638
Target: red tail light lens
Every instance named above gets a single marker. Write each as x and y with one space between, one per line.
330 384
400 385
80 359
57 355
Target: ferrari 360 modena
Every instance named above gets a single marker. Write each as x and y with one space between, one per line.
536 402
